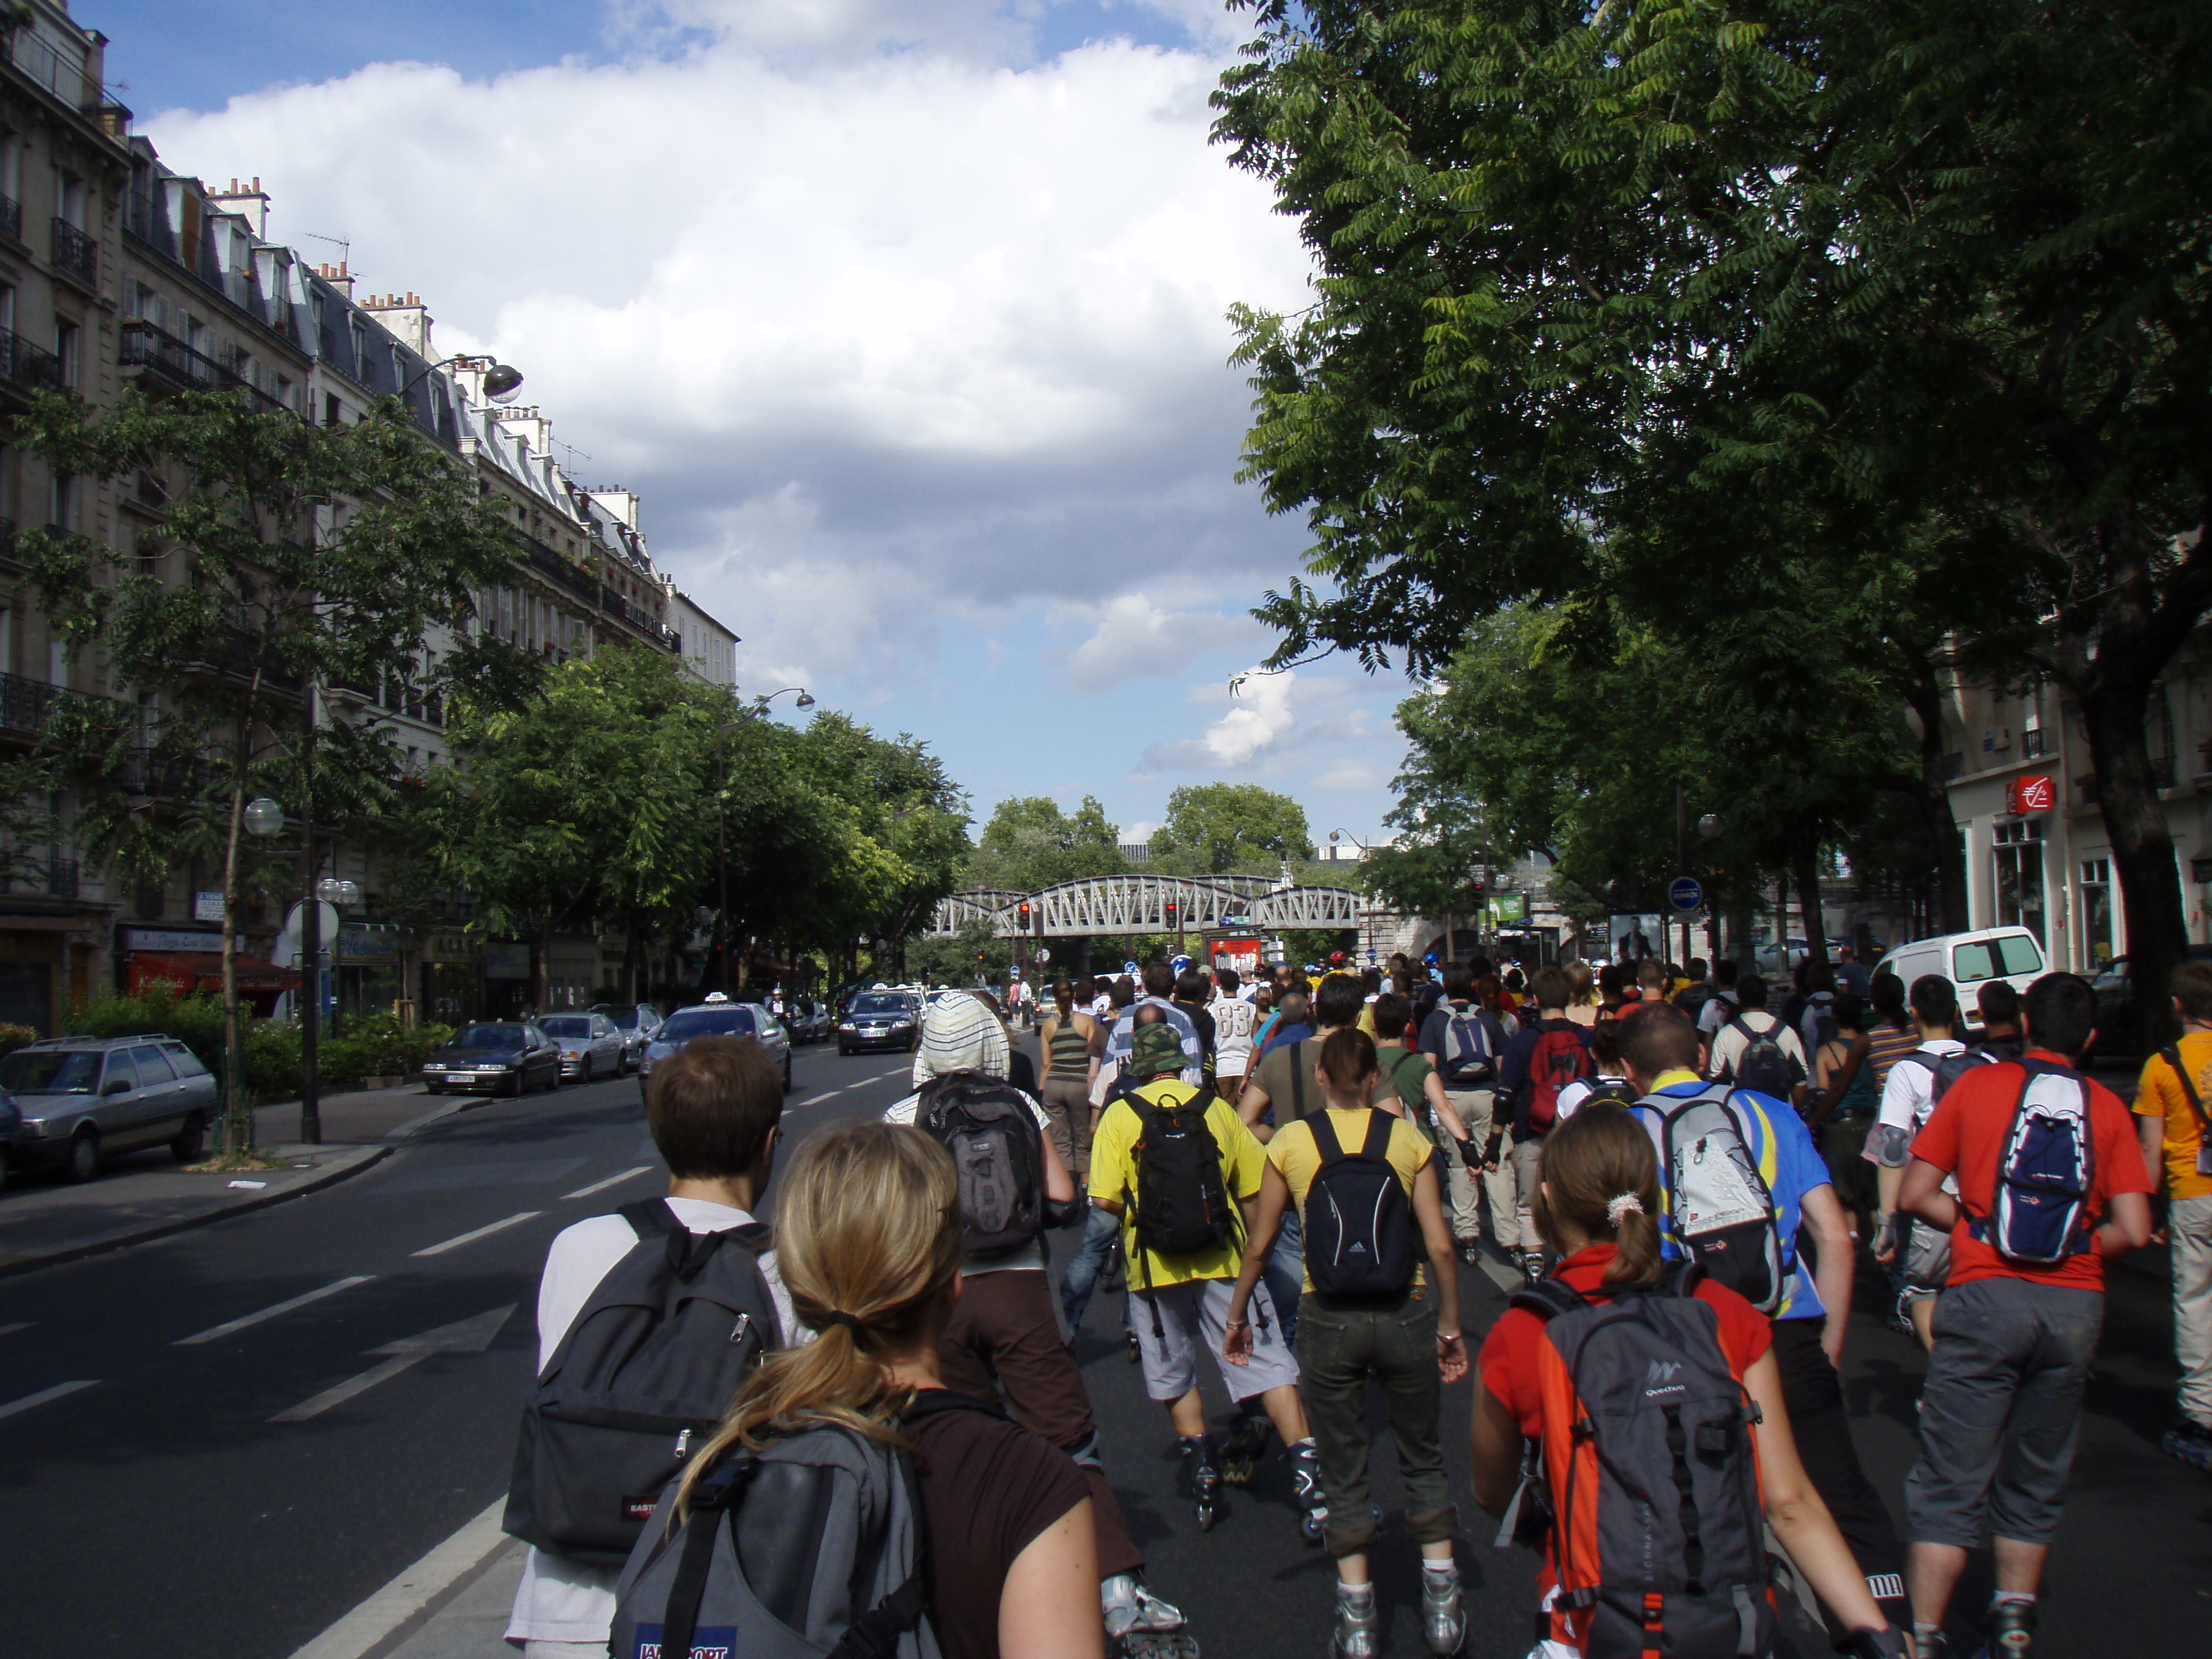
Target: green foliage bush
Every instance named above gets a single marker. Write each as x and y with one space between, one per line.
375 1046
378 1045
13 1037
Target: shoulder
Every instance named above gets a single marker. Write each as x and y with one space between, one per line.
904 1111
1745 1334
1294 1140
594 1244
998 1462
1408 1144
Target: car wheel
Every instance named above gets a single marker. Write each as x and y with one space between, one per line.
845 1051
84 1161
522 1082
190 1141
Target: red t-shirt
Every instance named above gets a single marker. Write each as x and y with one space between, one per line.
1509 1352
1965 1138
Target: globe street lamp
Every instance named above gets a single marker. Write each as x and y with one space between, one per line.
263 818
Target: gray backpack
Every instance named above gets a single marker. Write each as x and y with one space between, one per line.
811 1546
648 1367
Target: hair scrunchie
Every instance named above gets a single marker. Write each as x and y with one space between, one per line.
1625 1204
846 1320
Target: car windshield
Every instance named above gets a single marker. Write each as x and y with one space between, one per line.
53 1071
625 1018
1988 958
883 1005
493 1036
707 1021
566 1026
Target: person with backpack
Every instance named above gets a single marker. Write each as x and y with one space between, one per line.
1998 1004
1813 1018
2050 1187
1463 1041
850 1501
1541 1060
1002 1334
1160 985
1582 992
1362 1179
1843 1113
1918 1257
2171 1117
1592 1389
1741 1186
1179 1169
1756 1050
1722 1005
671 1299
1607 1080
1192 993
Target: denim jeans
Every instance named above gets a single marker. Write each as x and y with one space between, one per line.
1338 1349
1083 1267
1284 1275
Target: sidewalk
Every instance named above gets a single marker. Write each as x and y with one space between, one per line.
46 1220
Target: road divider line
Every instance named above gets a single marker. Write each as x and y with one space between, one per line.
611 1181
412 1592
47 1396
481 1232
463 1336
240 1324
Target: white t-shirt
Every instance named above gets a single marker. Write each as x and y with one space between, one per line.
1719 1009
1735 1037
560 1600
1030 1257
1233 1021
1908 1093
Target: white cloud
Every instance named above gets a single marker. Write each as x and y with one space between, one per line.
1135 639
1259 717
1142 830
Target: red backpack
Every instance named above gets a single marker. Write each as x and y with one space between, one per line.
1558 1059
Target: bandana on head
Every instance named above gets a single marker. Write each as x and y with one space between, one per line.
960 1035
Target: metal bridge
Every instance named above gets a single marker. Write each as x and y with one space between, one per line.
1140 904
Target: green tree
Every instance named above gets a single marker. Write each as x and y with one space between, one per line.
1030 844
1214 829
284 557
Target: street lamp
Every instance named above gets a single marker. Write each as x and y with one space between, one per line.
263 818
757 712
1709 826
501 381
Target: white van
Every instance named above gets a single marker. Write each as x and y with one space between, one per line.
1969 959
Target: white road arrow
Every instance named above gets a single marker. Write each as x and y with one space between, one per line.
464 1336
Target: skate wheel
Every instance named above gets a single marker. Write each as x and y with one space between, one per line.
1206 1517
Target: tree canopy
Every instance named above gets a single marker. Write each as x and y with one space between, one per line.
1215 828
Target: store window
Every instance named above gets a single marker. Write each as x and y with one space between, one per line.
2097 932
2019 885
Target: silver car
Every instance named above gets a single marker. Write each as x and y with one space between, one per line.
637 1022
591 1045
718 1017
84 1099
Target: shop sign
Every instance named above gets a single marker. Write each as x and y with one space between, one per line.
2031 794
1507 909
451 947
361 944
207 907
169 939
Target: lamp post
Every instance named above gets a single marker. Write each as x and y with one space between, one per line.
339 894
264 818
501 381
757 712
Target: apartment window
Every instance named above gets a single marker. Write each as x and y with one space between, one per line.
66 334
68 198
330 409
6 308
61 502
7 639
2019 884
58 663
11 174
287 394
2097 910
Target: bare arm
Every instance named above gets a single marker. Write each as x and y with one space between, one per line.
1048 1608
1497 1439
1920 1193
1432 1088
1822 1213
1264 1219
1250 1104
1059 1185
2151 1131
1444 1271
1795 1512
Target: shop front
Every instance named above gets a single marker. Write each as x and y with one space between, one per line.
188 962
452 979
367 970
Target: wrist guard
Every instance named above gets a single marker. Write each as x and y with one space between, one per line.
1879 1644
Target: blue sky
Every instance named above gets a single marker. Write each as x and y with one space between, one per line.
904 316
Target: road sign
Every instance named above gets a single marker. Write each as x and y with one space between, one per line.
1130 969
1044 953
1685 893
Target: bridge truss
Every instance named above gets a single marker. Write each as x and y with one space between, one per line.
1140 904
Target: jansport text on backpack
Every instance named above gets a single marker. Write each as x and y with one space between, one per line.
1182 1205
812 1546
997 1151
1469 1058
1764 1065
1358 1225
1558 1059
647 1370
1719 1208
1656 1530
2046 1167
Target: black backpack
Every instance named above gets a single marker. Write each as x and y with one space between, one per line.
1819 1022
991 1129
649 1365
1765 1066
1358 1225
1182 1205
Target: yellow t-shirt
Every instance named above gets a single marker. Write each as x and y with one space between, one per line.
2160 1094
1114 1176
1298 1159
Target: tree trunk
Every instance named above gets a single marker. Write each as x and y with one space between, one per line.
1781 921
1808 859
2142 850
541 967
237 1113
1925 695
633 954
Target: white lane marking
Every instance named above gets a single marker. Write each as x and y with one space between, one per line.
59 1391
481 1232
10 1330
412 1591
463 1336
1503 1276
611 1181
226 1328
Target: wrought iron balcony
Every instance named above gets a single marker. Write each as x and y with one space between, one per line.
33 367
161 353
25 704
76 254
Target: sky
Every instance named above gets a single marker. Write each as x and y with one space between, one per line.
906 318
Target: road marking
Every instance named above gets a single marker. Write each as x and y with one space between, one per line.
1506 1279
59 1391
611 1181
412 1592
10 1330
226 1328
463 1336
481 1232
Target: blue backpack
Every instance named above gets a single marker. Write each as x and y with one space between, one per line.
2046 1171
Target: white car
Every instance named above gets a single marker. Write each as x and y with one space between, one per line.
1968 960
591 1045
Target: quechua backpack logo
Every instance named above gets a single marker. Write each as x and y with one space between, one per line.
644 1373
1645 1484
1560 1058
1470 1059
2046 1170
1182 1205
1358 1225
1720 1209
1764 1065
998 1153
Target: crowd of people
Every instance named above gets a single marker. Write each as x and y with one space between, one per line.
1284 1179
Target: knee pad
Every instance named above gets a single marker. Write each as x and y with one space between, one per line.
1085 1456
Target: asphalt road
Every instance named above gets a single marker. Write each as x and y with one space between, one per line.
156 1506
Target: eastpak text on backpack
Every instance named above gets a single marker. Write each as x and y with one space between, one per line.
1560 1057
1656 1530
2046 1169
1719 1208
1358 1225
1764 1065
997 1151
646 1371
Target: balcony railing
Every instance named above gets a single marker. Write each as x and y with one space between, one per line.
2032 745
25 704
11 218
163 777
30 367
76 254
62 879
570 575
158 352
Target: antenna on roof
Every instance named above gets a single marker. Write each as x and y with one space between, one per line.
572 453
343 245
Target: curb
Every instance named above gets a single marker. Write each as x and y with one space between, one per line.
337 1170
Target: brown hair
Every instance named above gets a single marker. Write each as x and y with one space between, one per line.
1657 1036
710 1108
867 1228
1593 1158
1063 994
2191 986
1552 988
1347 1059
1580 979
1392 1013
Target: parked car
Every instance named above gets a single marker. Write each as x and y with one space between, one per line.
1968 960
11 1119
881 1019
637 1022
808 1019
83 1099
2116 1005
718 1017
498 1057
589 1043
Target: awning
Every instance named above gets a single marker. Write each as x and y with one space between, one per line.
191 971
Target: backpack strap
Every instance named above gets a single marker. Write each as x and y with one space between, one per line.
1378 1144
2171 1055
1298 1077
715 1491
1548 1297
650 1217
1325 1140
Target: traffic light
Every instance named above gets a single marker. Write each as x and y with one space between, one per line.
1024 908
1171 913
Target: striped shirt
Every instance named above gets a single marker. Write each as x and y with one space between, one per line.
1886 1046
